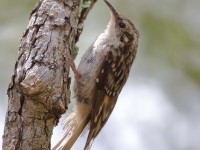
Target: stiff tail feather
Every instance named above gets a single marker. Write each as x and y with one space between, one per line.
88 144
73 126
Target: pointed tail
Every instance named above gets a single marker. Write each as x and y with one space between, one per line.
73 126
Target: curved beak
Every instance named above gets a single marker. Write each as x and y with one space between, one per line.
114 13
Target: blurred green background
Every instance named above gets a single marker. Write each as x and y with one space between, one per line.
159 107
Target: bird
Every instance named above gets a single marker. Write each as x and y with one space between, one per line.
104 70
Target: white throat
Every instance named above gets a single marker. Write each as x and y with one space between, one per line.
109 37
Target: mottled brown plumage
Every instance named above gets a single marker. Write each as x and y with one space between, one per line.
104 69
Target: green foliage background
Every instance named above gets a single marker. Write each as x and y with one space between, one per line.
168 55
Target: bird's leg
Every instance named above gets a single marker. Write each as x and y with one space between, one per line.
72 65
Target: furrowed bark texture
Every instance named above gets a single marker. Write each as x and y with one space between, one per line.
39 91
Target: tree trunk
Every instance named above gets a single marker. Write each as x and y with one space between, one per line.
39 90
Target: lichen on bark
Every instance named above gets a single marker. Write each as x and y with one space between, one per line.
39 90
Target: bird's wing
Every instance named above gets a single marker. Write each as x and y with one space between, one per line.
109 83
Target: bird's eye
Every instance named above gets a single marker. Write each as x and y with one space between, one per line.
122 24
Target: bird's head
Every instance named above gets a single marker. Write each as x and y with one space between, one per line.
121 27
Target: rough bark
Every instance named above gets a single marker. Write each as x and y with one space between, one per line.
39 90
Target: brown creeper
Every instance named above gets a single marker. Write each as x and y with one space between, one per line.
104 69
